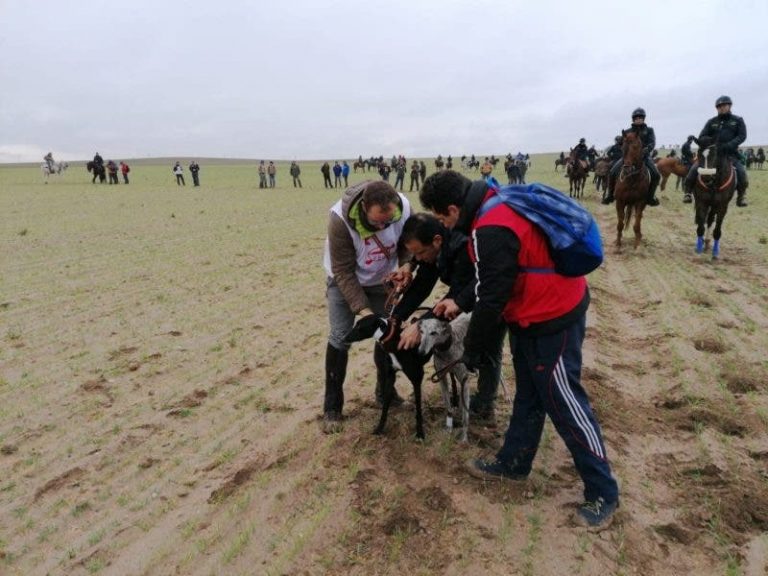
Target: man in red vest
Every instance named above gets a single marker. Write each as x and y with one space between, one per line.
546 313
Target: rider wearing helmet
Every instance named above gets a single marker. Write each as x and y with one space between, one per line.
728 131
614 152
581 149
49 161
648 138
686 155
98 160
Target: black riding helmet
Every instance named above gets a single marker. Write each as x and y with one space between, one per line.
638 113
723 100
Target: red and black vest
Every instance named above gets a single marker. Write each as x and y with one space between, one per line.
539 294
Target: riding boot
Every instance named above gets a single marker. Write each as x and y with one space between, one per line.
741 200
652 200
385 376
335 373
608 198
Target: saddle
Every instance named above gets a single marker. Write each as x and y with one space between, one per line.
710 173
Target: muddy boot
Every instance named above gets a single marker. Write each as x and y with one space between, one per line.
385 375
687 198
335 373
741 200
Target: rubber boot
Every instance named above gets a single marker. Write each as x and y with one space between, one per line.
385 374
335 373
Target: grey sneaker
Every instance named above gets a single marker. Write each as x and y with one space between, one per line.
495 470
332 423
596 515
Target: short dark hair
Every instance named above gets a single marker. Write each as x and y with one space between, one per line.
443 189
380 193
422 227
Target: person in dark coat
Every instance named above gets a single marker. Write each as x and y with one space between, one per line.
194 169
326 170
728 131
648 138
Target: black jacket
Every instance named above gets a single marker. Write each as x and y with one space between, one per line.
647 137
726 130
452 267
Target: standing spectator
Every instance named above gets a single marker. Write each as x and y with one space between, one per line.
124 169
415 168
361 251
345 173
112 171
295 172
262 175
326 170
547 313
271 171
179 171
336 175
422 171
400 175
384 171
194 168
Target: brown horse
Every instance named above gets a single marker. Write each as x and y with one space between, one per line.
577 175
602 168
560 162
715 184
667 166
632 186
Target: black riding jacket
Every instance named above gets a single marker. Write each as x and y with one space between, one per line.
614 153
685 152
453 267
647 137
726 130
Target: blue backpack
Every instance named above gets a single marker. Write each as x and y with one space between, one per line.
574 238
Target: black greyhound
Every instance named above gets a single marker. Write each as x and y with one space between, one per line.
438 338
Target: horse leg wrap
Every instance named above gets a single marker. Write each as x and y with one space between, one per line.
716 249
699 244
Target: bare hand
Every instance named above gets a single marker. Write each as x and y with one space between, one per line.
446 308
410 337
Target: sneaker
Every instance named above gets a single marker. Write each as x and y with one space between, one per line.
331 423
596 515
495 470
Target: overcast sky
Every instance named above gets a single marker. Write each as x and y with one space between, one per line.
310 79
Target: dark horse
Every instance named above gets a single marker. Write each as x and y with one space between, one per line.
715 184
632 186
602 168
98 170
577 175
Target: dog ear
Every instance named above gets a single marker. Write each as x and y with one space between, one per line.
365 328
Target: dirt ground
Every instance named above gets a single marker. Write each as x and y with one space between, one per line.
161 377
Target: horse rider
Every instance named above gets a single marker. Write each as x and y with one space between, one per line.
98 160
728 131
648 138
614 152
581 152
686 154
49 161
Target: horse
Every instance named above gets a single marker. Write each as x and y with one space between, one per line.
515 171
98 170
671 165
602 168
631 189
439 163
577 175
358 164
714 188
55 168
560 162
